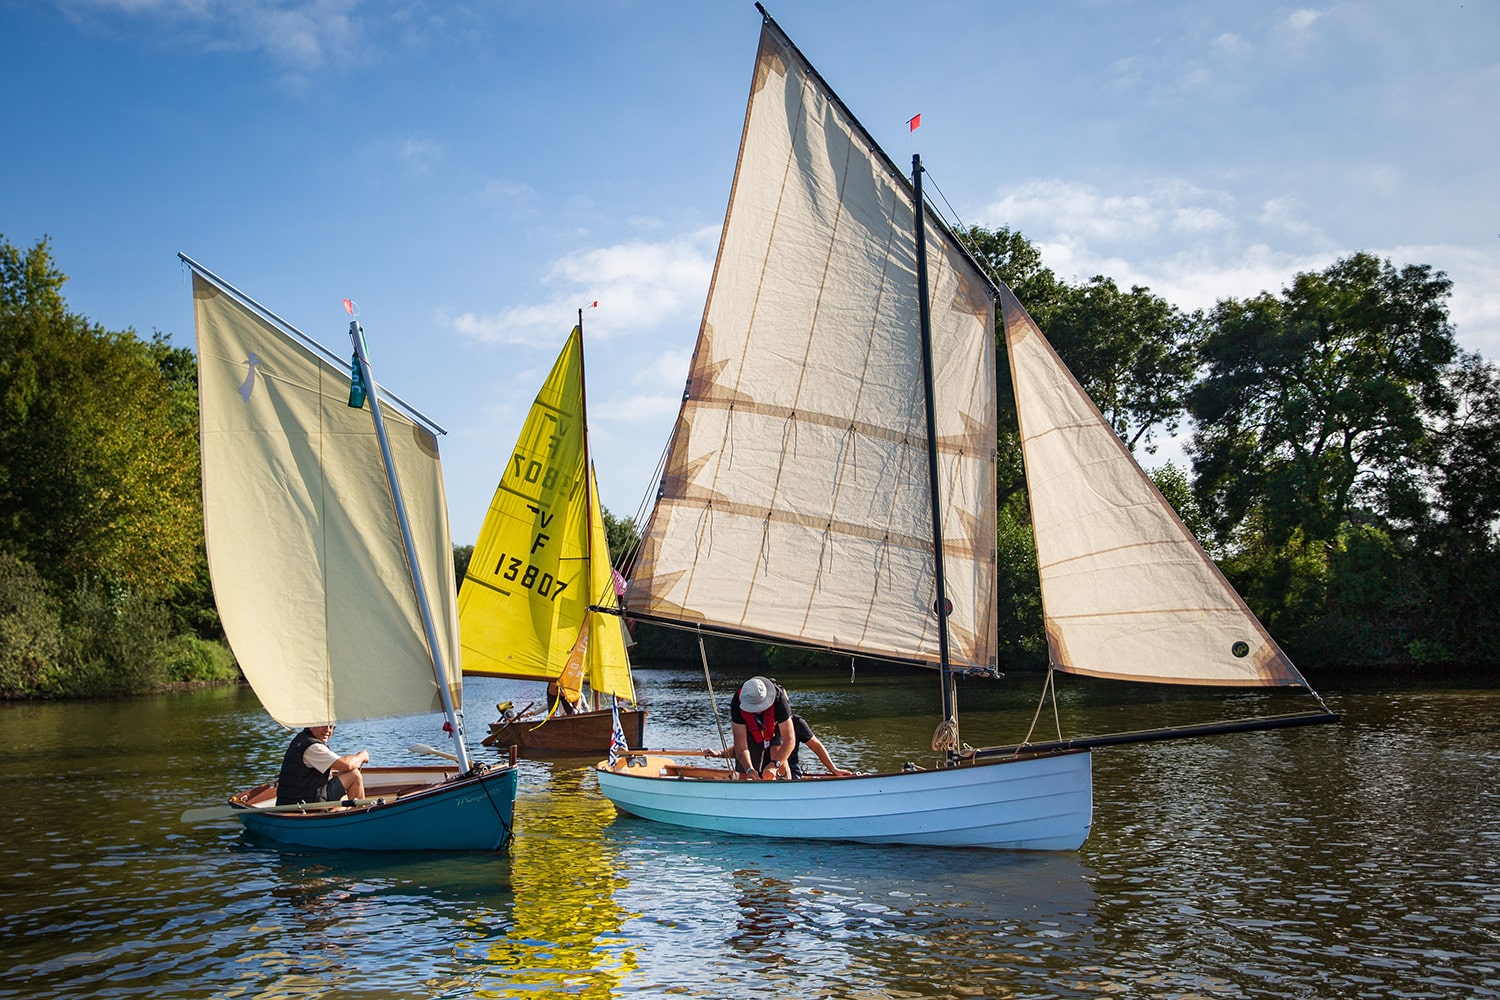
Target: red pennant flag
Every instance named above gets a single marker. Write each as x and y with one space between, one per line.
349 307
596 303
913 123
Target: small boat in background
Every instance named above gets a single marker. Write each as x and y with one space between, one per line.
540 598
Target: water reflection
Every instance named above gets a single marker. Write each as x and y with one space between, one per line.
1355 860
566 936
324 923
800 919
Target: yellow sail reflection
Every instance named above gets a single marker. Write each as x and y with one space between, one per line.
566 934
542 558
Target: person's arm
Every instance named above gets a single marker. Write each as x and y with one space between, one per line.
816 745
350 762
786 742
741 750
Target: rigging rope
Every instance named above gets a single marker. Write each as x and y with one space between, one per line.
703 655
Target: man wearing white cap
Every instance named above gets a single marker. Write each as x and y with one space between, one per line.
761 718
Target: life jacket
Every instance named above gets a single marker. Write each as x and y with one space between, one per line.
761 726
298 782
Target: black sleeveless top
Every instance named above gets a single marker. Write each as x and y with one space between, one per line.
298 782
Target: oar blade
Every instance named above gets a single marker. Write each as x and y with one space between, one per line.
208 814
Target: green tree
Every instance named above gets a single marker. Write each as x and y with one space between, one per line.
1312 409
461 556
31 631
1134 353
623 537
1459 586
1018 592
98 444
1005 255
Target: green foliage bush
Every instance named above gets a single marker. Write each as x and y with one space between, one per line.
115 644
31 634
191 659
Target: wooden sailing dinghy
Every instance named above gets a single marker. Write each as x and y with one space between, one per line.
530 605
328 548
830 482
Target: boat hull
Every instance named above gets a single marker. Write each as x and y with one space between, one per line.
466 814
1042 803
583 734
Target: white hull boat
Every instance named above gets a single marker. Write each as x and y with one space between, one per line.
1042 803
830 483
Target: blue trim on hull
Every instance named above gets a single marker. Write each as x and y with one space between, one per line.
472 814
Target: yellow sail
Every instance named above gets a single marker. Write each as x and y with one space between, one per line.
541 559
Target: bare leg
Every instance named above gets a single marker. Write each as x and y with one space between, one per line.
354 784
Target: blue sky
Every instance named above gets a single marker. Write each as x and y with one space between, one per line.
473 173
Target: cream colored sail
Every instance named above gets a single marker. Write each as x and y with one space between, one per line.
542 559
303 548
795 502
1127 592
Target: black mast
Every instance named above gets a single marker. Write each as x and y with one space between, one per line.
924 312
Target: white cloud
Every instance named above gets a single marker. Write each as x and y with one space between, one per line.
302 39
639 286
1193 247
1286 215
1299 28
503 190
420 153
668 366
1230 44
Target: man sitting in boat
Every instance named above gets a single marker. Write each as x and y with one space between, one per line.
312 772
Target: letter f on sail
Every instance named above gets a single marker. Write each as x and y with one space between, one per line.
248 386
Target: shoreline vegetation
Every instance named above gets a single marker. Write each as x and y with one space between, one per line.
1344 475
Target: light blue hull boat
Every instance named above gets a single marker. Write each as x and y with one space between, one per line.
473 813
1042 803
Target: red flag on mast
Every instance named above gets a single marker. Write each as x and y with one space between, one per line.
913 123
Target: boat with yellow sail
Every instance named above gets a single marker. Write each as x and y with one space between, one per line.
536 595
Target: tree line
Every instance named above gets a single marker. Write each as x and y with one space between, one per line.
1344 451
1343 461
103 581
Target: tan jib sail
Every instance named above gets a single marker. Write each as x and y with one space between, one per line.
542 558
1127 592
304 551
795 503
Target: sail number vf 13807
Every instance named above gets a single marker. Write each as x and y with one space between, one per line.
534 579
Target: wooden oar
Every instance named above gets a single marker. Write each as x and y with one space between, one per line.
208 814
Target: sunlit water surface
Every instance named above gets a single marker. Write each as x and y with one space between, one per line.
1358 860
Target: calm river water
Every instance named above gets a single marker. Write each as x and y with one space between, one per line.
1358 860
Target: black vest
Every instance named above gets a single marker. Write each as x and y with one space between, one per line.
298 782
